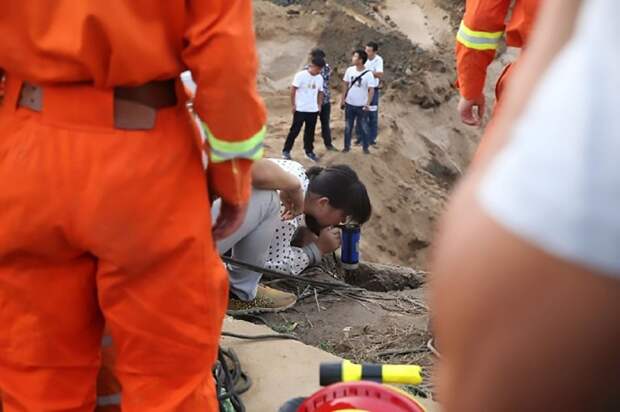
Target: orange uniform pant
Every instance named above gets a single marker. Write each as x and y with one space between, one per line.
500 89
100 225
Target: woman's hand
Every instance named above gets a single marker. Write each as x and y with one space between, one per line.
293 201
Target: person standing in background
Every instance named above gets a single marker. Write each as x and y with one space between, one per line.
326 108
375 65
306 100
359 85
484 25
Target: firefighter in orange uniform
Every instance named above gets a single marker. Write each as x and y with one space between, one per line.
479 35
104 202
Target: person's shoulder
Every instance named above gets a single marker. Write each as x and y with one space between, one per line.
288 165
380 59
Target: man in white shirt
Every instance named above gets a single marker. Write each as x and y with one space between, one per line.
356 101
375 65
306 100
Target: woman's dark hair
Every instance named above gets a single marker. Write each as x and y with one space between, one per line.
361 53
316 52
341 185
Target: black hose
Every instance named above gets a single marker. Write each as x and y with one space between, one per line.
274 336
279 275
230 380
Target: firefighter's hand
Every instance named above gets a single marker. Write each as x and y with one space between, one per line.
329 240
230 219
472 111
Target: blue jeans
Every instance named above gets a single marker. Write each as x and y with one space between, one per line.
373 119
351 114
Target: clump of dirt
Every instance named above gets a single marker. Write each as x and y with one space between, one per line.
384 278
455 8
406 64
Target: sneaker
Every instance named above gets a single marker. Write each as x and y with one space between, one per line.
331 148
373 143
268 300
346 150
312 156
286 155
366 150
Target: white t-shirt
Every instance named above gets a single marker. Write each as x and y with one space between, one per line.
358 94
375 65
308 88
557 183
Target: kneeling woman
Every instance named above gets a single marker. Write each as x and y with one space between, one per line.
289 226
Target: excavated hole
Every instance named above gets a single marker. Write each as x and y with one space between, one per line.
384 278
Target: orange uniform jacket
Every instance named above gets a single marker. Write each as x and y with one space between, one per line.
481 30
129 43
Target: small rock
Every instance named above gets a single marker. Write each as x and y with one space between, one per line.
408 72
314 12
375 8
292 12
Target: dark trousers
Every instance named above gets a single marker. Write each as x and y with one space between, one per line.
299 119
373 120
355 115
326 131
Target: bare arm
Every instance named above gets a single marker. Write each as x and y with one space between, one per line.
293 94
371 94
320 99
520 329
378 75
344 95
267 175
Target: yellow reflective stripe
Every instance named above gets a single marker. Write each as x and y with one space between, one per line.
478 40
255 155
481 34
248 148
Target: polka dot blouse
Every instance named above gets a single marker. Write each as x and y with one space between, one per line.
281 255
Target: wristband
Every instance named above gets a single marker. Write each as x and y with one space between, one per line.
313 252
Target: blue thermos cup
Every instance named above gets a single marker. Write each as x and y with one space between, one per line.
350 251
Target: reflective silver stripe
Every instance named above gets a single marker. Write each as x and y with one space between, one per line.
106 341
109 400
249 154
477 40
